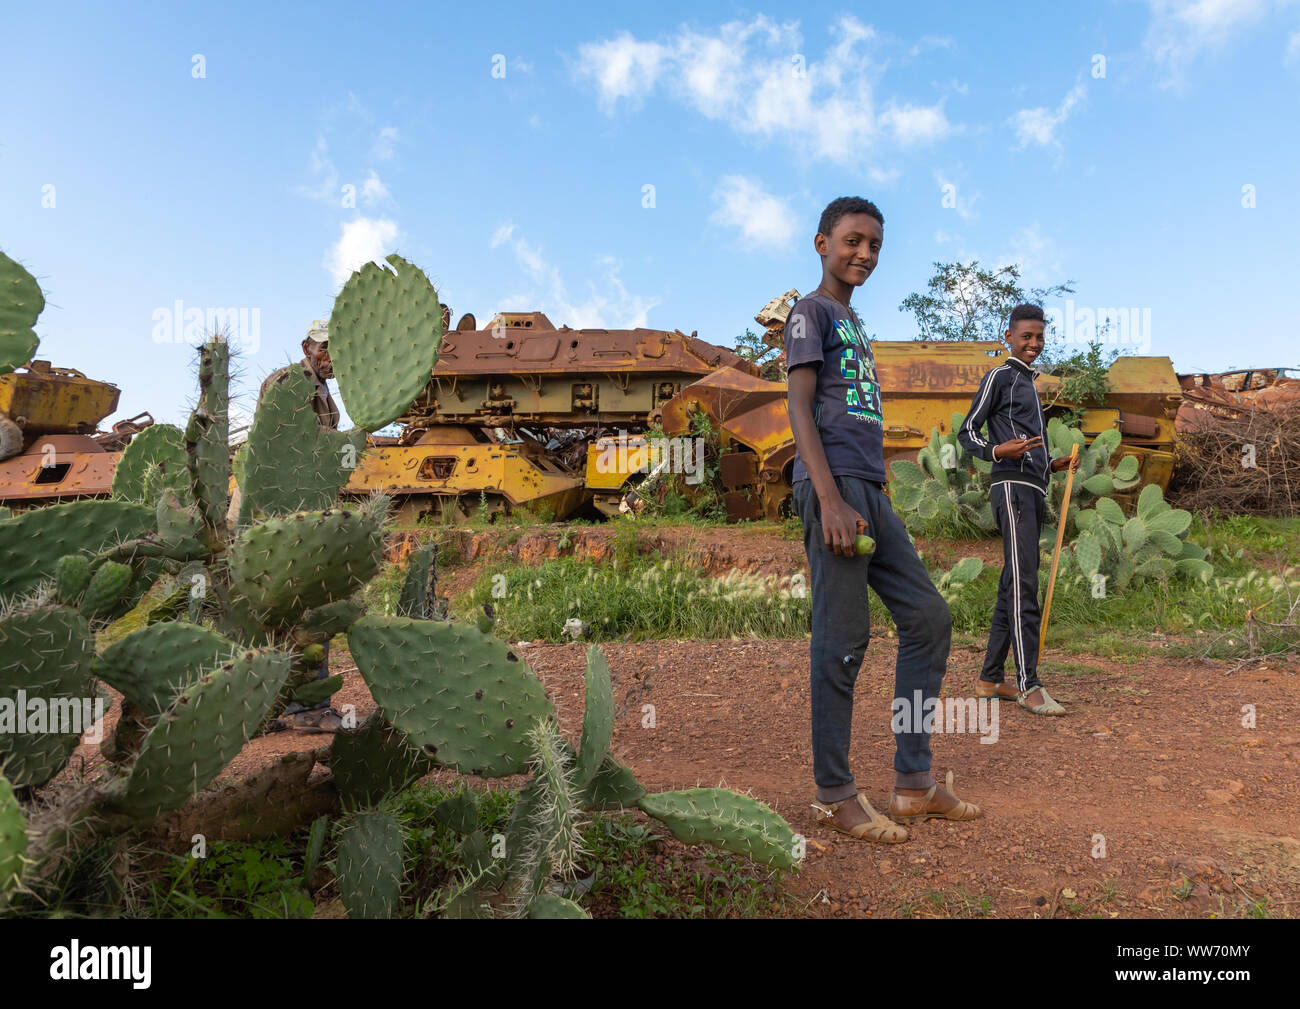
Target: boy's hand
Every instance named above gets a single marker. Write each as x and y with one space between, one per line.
1017 447
841 526
1061 463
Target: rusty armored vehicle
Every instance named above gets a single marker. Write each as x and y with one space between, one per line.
51 447
519 413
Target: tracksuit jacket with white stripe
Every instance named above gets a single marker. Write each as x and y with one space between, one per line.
1008 401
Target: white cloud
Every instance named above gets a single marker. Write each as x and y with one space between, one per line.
1039 125
757 79
608 304
1181 30
373 189
1293 48
384 143
761 219
363 239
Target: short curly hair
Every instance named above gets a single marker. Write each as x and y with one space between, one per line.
1026 311
846 205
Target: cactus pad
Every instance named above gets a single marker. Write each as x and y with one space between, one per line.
463 695
286 565
21 303
598 721
13 843
369 866
417 598
46 655
208 434
32 543
292 464
459 813
107 590
373 761
160 447
725 818
552 905
385 332
614 787
71 576
154 664
202 731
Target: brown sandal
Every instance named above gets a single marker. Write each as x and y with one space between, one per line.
914 808
1001 689
878 828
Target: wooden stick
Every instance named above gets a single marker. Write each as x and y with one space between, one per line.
1056 554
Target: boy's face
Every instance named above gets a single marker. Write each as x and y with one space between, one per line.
852 249
1025 338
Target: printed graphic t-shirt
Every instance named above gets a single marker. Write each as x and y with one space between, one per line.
821 332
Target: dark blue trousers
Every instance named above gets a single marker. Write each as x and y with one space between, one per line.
841 629
1018 510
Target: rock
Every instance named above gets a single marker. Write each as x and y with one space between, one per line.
1158 781
1218 796
1235 787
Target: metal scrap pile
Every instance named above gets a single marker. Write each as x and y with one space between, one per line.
1239 443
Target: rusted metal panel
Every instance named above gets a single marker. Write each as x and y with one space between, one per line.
48 400
58 466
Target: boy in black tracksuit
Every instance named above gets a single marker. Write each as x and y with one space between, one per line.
1022 471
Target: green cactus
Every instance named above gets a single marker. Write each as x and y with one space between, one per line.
459 813
1099 476
32 543
373 761
598 722
417 598
613 787
946 487
154 460
71 576
13 843
951 582
107 590
369 866
385 332
549 905
44 654
154 664
21 303
285 565
463 695
725 818
1150 544
207 435
291 463
202 731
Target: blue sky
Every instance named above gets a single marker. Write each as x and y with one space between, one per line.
154 153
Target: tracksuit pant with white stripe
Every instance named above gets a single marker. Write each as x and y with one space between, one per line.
1018 510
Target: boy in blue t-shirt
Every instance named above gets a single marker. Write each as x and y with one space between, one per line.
839 493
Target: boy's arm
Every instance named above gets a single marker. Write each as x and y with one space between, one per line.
981 405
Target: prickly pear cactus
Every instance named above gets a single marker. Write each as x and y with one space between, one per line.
153 665
13 843
369 866
1125 550
725 818
21 303
45 654
32 543
385 332
286 565
202 731
463 696
945 485
598 722
160 447
374 760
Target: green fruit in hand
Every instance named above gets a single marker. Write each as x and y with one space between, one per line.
864 545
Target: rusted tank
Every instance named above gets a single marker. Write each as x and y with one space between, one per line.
1228 394
512 409
50 445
